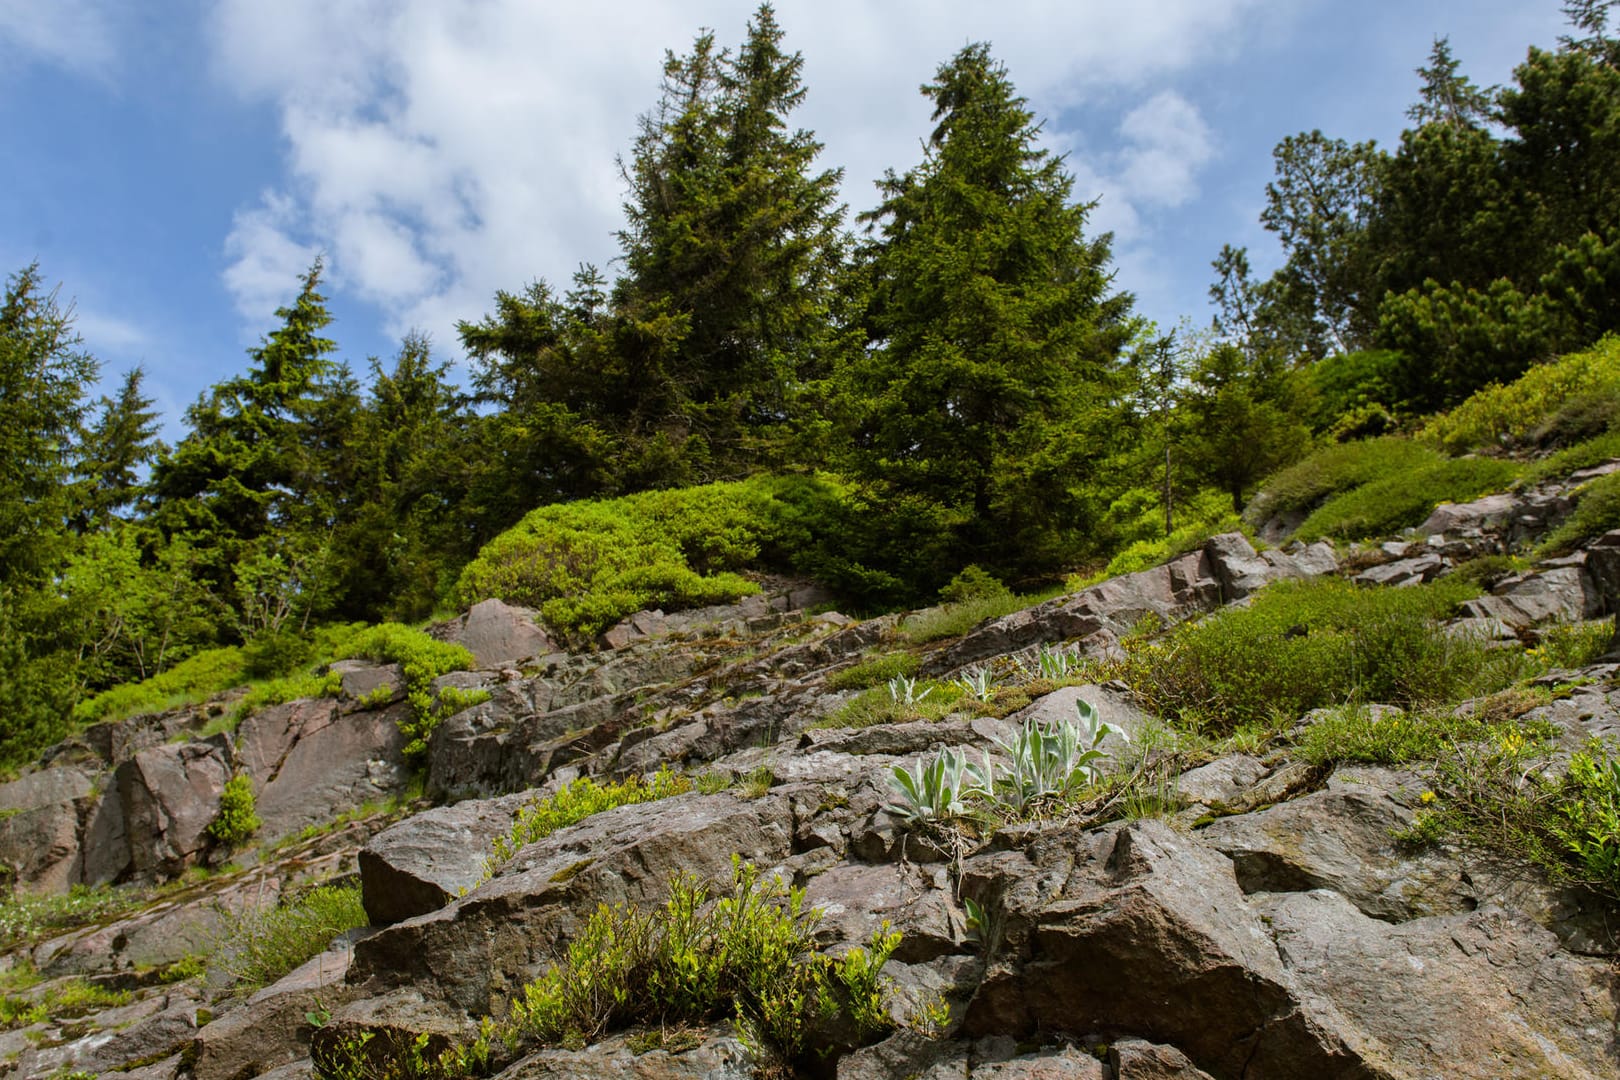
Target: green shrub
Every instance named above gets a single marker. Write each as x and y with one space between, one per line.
62 1001
1583 455
1597 512
1403 500
973 583
236 820
261 946
1303 645
953 620
422 658
587 564
1336 469
275 652
873 672
578 800
192 680
1512 413
1354 732
928 699
749 955
24 917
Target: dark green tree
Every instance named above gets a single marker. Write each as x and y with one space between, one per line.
993 332
1239 420
118 443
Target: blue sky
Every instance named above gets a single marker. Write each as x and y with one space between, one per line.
176 165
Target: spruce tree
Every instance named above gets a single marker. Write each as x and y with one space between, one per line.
993 331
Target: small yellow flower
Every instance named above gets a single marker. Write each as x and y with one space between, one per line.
1426 798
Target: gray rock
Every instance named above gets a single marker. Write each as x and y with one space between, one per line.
1562 593
507 931
1102 933
856 899
47 787
170 796
719 1055
1490 512
1413 571
1221 783
373 685
429 859
39 846
312 762
1491 994
1138 1059
1115 708
499 634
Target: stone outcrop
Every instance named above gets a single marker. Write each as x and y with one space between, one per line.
1267 924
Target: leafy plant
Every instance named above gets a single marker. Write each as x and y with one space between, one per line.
936 791
903 691
873 672
1053 762
260 947
237 819
422 659
1055 664
979 682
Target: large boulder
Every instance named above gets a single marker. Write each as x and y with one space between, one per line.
171 795
40 816
499 634
428 860
311 761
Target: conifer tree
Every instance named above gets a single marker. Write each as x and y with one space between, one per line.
993 331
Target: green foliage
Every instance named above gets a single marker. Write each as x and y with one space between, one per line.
1596 513
937 792
1400 501
993 335
422 659
953 620
1336 469
1587 821
192 680
1199 515
1512 413
1573 645
62 1000
236 820
578 800
1355 732
925 700
274 653
586 565
1304 645
260 947
748 955
873 672
28 918
973 583
1353 394
1043 764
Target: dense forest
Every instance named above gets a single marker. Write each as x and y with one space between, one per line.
953 379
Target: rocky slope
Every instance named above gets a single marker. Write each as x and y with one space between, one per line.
1266 924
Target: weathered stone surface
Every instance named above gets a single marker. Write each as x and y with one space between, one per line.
47 787
271 1029
908 1056
1489 512
856 899
429 859
1530 1010
1104 929
1138 1059
1563 593
499 634
719 1055
507 931
1413 571
311 762
373 685
170 796
1114 708
1221 783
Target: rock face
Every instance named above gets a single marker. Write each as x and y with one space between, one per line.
1266 925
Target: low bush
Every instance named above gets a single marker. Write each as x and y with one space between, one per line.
956 619
1301 645
194 679
237 819
896 703
60 1001
1582 455
1498 414
587 564
1403 500
24 917
877 670
1198 517
260 947
1336 469
1356 733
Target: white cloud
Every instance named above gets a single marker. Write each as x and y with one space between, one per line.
266 258
77 34
440 149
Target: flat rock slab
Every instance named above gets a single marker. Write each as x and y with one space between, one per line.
719 1055
170 796
499 634
1480 996
312 762
427 860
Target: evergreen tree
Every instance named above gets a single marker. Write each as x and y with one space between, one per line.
122 439
993 335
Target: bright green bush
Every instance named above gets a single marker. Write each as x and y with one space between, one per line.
1197 517
585 565
237 819
749 955
1582 455
1302 645
261 946
1501 414
194 679
1403 500
1336 469
422 658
